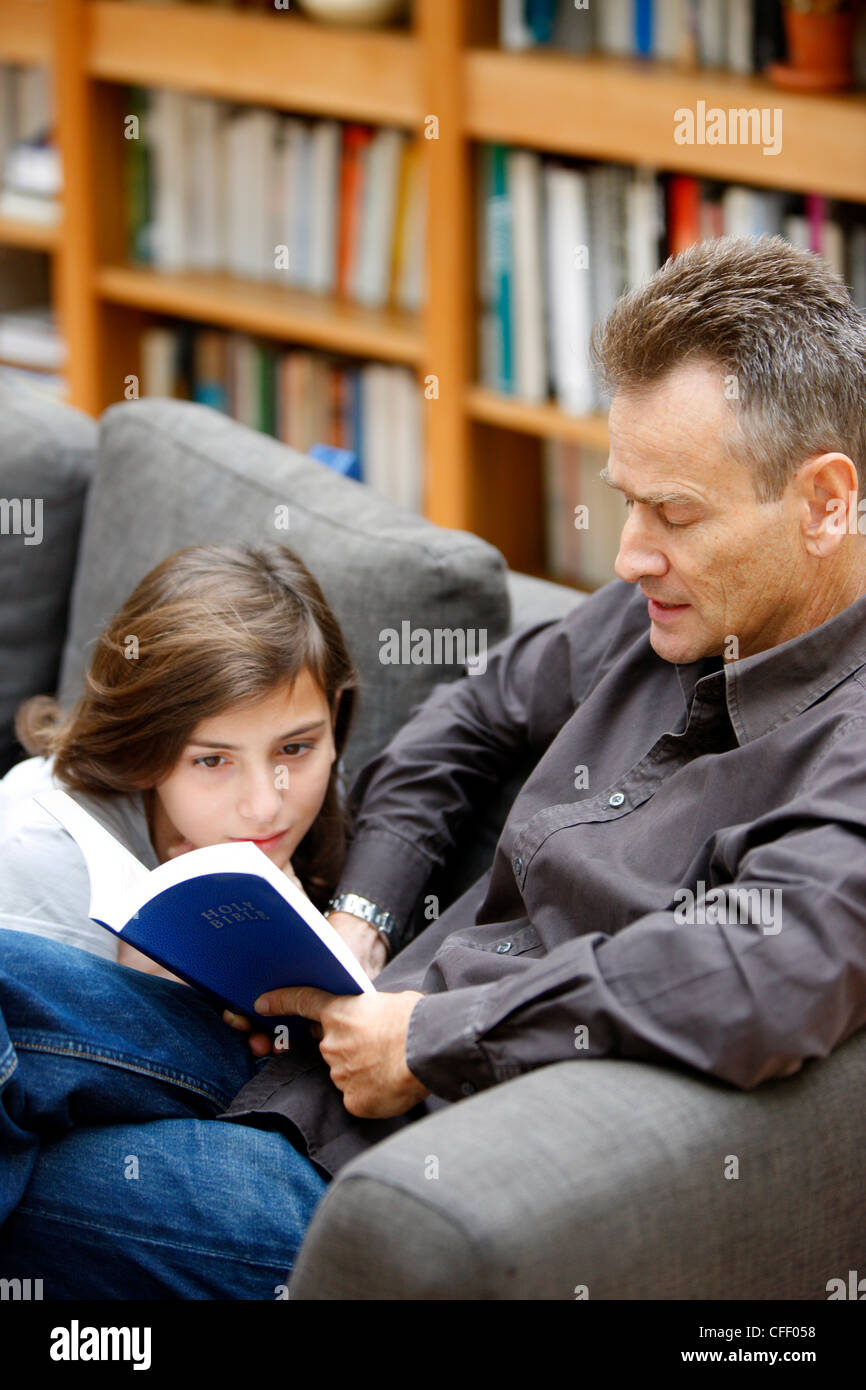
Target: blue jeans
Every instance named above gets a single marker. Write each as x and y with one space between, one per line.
115 1182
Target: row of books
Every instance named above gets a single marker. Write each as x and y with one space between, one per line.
583 516
29 161
316 204
743 36
372 411
559 243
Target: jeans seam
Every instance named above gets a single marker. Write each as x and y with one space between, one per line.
125 1065
13 1062
148 1239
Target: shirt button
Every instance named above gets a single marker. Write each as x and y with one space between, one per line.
467 1089
517 864
616 800
503 947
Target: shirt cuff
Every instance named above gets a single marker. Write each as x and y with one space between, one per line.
442 1046
388 870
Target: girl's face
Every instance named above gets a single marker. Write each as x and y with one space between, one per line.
256 772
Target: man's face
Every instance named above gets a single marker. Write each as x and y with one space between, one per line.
735 565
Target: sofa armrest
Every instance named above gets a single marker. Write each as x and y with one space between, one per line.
613 1175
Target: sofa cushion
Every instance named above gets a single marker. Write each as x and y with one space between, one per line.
171 473
47 455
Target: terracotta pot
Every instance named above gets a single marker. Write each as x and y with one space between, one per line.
821 43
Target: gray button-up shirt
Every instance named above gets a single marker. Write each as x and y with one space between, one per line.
682 878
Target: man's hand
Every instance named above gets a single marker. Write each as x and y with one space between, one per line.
362 940
362 1037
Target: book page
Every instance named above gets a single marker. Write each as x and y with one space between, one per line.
116 876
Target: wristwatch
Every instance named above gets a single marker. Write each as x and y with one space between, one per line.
357 906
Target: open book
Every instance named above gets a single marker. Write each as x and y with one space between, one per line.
223 918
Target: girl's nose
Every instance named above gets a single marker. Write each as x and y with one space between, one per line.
260 797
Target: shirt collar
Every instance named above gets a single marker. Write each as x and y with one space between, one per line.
766 689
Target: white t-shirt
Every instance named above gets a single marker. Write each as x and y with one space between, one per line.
44 883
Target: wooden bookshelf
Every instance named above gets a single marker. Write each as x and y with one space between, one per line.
484 450
296 315
35 236
622 110
25 31
281 60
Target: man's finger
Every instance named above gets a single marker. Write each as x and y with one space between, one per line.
303 1000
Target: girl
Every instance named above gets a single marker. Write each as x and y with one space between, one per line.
216 707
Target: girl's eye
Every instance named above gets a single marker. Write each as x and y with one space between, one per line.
213 760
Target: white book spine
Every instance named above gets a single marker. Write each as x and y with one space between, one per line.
530 366
324 205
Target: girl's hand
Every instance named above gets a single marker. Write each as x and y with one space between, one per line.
179 847
290 873
136 960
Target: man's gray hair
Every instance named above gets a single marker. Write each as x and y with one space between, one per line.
782 328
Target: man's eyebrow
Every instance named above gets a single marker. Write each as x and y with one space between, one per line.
281 738
650 499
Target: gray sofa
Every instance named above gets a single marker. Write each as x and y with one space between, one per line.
604 1180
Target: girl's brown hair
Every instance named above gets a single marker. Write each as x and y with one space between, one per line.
209 628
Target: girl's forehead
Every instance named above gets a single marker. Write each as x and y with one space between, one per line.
293 704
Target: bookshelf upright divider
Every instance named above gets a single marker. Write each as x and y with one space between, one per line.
446 81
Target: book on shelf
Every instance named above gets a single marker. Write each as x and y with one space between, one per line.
373 411
30 172
560 240
223 918
739 36
319 205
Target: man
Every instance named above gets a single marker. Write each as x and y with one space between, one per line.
682 878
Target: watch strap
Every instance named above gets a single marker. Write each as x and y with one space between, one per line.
368 911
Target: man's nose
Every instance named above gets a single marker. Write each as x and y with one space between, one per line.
260 796
637 555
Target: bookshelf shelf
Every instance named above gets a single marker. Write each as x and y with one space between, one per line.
276 60
34 236
623 110
545 421
25 33
322 321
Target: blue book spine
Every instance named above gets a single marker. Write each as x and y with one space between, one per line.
643 27
540 17
358 421
500 254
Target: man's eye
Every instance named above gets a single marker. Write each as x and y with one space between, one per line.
209 760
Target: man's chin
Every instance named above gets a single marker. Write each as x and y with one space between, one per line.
680 648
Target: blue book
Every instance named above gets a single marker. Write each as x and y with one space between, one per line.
643 27
540 16
499 258
343 461
224 918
